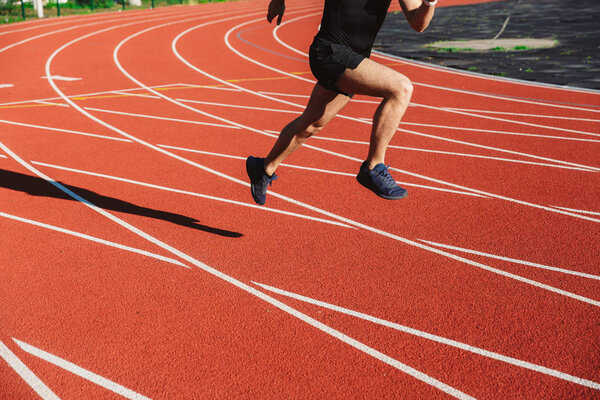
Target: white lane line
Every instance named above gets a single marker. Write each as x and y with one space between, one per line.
6 85
406 61
93 239
509 99
511 121
26 374
185 121
78 96
63 78
51 104
174 48
247 288
82 372
204 196
326 171
451 153
572 166
578 211
41 25
439 339
210 103
3 156
448 126
512 160
478 130
513 260
526 115
70 20
370 120
134 94
226 89
104 21
48 128
51 33
302 96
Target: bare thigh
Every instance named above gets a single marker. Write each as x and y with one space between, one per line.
372 79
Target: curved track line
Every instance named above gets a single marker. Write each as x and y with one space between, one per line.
521 202
85 25
93 239
249 289
319 170
438 339
68 19
512 121
528 115
49 128
82 372
481 146
26 374
454 127
186 192
514 260
402 122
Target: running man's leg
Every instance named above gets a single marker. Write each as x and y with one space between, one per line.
373 79
322 106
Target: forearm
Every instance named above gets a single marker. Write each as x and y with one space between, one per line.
417 13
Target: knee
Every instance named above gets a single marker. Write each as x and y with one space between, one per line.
315 128
403 89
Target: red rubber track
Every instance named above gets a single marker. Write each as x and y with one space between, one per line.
503 172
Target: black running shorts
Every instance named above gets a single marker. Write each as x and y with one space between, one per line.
329 60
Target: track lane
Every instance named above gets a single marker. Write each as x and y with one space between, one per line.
122 122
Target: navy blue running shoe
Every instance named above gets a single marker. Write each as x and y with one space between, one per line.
259 180
380 182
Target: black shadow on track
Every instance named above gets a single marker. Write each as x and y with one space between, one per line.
35 186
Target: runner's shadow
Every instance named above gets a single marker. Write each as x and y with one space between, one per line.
39 187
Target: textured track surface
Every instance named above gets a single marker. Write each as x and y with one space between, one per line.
134 262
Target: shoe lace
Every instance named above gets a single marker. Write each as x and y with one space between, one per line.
271 178
387 177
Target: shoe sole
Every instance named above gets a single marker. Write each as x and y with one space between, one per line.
383 196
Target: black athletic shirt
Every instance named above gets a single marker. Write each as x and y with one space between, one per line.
353 23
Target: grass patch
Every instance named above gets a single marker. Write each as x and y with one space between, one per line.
472 68
521 48
498 49
453 50
10 12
